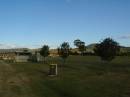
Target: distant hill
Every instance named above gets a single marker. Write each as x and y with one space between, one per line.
92 46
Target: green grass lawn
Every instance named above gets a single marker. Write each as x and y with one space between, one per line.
86 76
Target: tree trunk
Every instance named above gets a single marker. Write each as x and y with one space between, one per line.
64 61
44 59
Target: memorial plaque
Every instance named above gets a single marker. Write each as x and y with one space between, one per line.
53 70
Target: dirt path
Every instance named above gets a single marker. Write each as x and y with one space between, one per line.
13 84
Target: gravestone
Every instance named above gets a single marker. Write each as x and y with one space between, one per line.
53 70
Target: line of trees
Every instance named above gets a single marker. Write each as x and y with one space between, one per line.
107 49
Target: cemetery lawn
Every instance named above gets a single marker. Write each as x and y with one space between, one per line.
80 76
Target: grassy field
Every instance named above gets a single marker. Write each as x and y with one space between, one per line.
80 77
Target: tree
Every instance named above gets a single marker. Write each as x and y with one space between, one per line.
81 45
82 48
77 42
107 49
44 51
64 51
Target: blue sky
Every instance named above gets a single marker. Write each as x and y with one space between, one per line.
32 23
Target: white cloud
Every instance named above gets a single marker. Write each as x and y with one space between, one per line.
7 46
12 46
124 37
30 46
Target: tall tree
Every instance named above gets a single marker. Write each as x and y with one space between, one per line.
78 42
64 50
44 51
81 45
107 49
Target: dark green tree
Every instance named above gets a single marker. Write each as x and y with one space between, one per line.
107 49
78 42
64 51
44 51
80 45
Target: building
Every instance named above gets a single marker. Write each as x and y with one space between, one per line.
24 55
15 55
